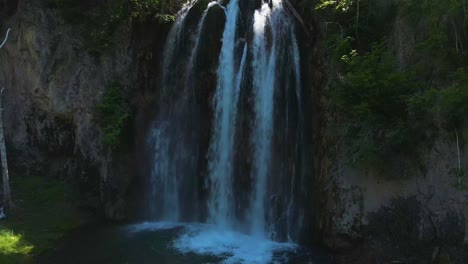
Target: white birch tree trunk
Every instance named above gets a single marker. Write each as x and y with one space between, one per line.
3 156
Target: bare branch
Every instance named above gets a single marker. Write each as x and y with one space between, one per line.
6 38
341 28
291 8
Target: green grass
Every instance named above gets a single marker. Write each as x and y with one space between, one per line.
44 212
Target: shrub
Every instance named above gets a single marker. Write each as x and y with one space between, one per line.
113 114
384 109
371 102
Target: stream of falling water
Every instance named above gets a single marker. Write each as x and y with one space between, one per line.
264 66
261 62
270 27
169 151
222 144
173 43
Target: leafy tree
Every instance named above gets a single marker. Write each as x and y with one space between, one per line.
371 100
384 108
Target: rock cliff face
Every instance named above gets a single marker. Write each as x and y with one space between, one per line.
418 217
52 89
419 220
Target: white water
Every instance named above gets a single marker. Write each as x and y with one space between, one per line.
271 29
173 43
198 36
264 66
163 180
235 246
169 151
273 32
222 143
204 239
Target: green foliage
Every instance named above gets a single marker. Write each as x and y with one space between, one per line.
454 102
384 107
339 6
13 248
359 27
44 213
144 8
440 33
98 23
371 99
447 107
103 22
113 114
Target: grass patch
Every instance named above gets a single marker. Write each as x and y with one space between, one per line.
44 212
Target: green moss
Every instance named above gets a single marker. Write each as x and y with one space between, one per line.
113 114
44 212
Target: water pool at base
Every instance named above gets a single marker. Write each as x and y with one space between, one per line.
170 243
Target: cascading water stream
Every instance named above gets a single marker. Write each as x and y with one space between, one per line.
297 71
173 44
161 180
263 65
196 46
270 27
168 150
254 155
225 108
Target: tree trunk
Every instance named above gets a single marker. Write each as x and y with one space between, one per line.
459 160
464 17
3 156
6 180
357 19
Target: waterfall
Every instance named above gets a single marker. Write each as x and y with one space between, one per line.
162 180
297 70
222 144
174 149
196 46
271 28
252 166
264 65
173 44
